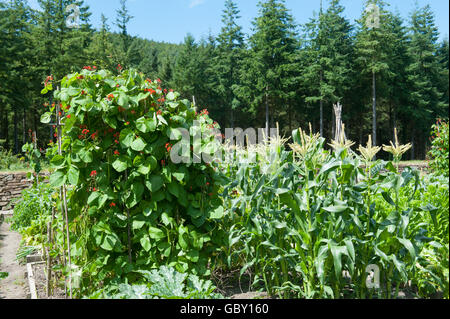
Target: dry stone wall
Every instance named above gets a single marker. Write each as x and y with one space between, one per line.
11 186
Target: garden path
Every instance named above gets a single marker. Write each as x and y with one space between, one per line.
14 286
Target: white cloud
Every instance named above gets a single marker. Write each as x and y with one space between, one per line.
195 3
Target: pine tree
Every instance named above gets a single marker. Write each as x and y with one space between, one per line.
16 58
443 56
64 48
270 61
229 53
396 79
371 52
122 20
426 102
328 55
187 74
100 50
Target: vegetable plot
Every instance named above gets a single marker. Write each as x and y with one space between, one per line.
302 223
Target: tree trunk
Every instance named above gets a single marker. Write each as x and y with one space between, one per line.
338 115
413 145
321 110
290 118
361 142
1 123
267 111
35 123
6 129
391 121
394 121
16 140
24 127
231 117
333 123
374 111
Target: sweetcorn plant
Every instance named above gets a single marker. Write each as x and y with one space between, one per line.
310 228
439 148
430 221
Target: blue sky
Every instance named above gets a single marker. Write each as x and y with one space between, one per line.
171 20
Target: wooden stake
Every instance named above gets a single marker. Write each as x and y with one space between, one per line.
49 260
130 259
64 195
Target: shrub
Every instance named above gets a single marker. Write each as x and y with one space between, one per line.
34 204
130 206
439 148
9 161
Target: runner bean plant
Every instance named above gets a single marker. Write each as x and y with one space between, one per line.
130 207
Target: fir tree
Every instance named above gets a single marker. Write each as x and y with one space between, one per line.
328 55
426 102
122 20
229 53
371 51
270 60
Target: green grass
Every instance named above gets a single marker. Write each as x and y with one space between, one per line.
23 170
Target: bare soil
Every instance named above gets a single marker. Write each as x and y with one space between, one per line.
14 286
39 272
231 286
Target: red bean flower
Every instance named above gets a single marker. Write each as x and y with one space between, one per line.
93 173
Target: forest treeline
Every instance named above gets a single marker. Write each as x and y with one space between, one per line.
393 75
